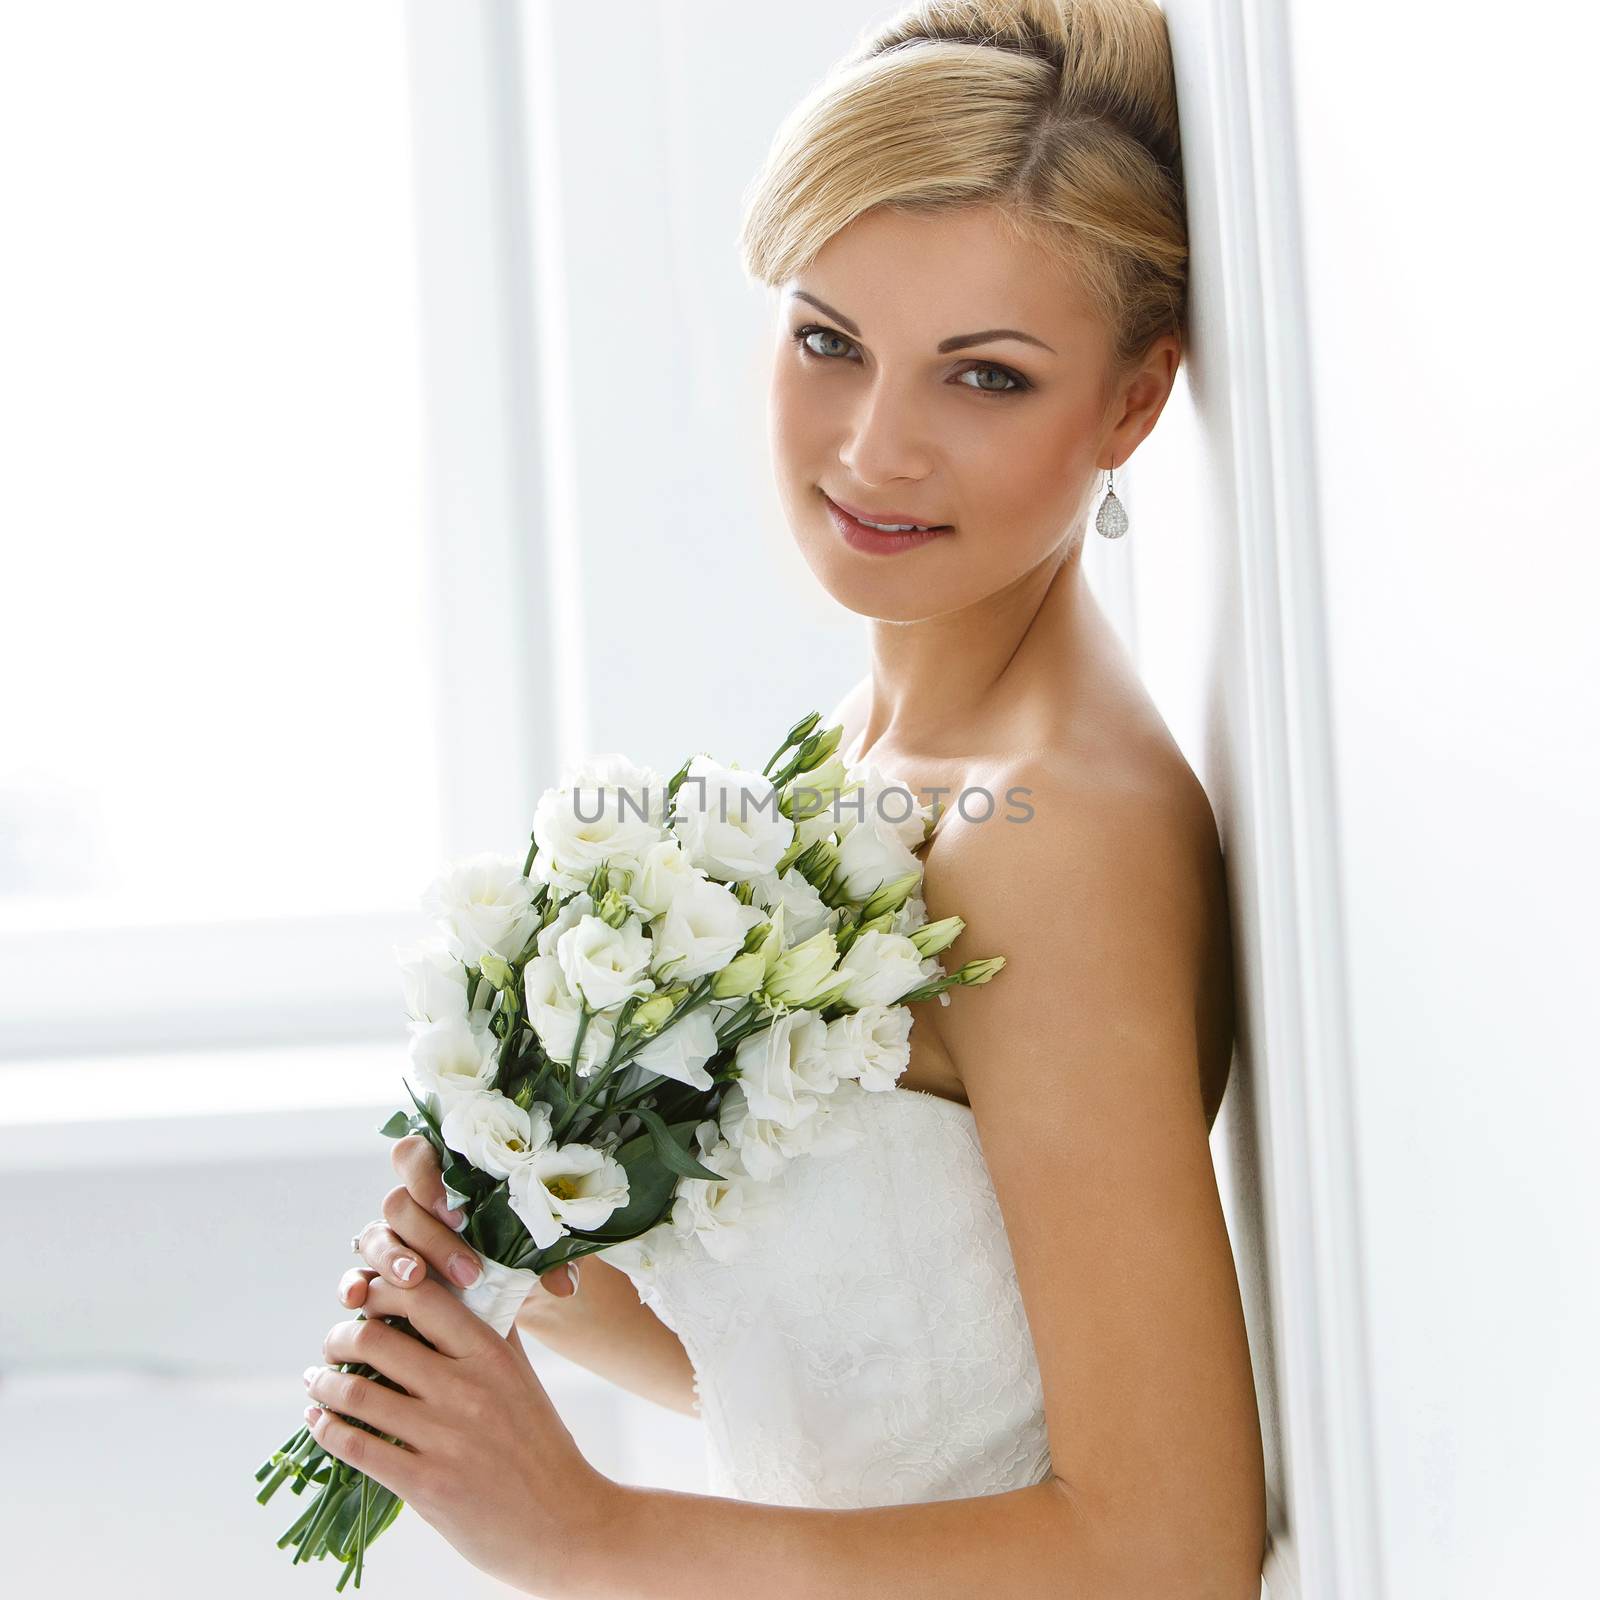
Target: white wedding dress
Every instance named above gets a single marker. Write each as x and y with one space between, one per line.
869 1346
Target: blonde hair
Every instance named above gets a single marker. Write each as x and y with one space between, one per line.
1060 114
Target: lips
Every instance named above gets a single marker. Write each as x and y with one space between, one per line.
874 541
867 514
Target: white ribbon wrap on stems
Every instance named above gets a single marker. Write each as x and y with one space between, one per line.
498 1294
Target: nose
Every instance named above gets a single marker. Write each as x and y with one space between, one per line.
885 440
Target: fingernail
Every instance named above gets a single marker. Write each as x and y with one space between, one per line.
404 1267
448 1215
308 1375
312 1413
572 1275
464 1270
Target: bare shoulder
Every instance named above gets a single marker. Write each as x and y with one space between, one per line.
1086 1063
1102 884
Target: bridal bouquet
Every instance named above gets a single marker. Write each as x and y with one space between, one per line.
679 973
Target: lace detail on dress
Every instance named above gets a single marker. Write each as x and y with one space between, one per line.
869 1346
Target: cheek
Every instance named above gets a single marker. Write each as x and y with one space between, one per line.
797 422
1022 476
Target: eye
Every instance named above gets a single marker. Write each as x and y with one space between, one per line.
1012 382
803 336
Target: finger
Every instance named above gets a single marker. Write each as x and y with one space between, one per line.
441 1247
561 1281
353 1287
392 1351
396 1469
417 1162
434 1311
352 1394
398 1261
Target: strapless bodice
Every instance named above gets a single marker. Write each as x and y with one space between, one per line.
868 1345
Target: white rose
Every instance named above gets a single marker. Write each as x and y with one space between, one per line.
495 1134
872 1045
435 984
484 906
805 913
564 1187
554 1009
784 1069
665 872
888 802
729 821
871 856
681 1051
606 809
452 1057
604 964
701 931
881 967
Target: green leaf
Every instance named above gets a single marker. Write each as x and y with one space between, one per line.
422 1110
671 1152
651 1185
396 1126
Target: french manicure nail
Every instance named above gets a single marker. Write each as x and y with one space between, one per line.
447 1214
464 1270
572 1273
308 1375
404 1268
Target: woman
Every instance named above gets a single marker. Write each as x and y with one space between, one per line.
997 1347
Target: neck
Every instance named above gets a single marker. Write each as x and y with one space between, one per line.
936 679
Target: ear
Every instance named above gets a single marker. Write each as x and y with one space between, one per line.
1141 395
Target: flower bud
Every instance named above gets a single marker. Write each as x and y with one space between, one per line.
890 896
934 937
740 977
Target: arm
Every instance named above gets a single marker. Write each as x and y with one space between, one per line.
607 1329
1081 1065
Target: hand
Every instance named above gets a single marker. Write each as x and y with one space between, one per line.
419 1227
484 1457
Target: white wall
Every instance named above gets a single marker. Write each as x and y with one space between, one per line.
1363 593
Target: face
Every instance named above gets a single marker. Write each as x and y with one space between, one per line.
883 403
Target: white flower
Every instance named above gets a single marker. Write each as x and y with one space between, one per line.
665 872
571 913
911 916
435 984
606 809
604 964
784 1069
805 912
711 1211
871 856
682 1050
872 1045
881 967
553 1009
729 821
765 1147
816 801
564 1187
484 906
452 1057
701 931
495 1134
888 802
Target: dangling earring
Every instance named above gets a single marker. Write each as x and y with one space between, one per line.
1111 519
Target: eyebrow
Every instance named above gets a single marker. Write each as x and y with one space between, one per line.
959 341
